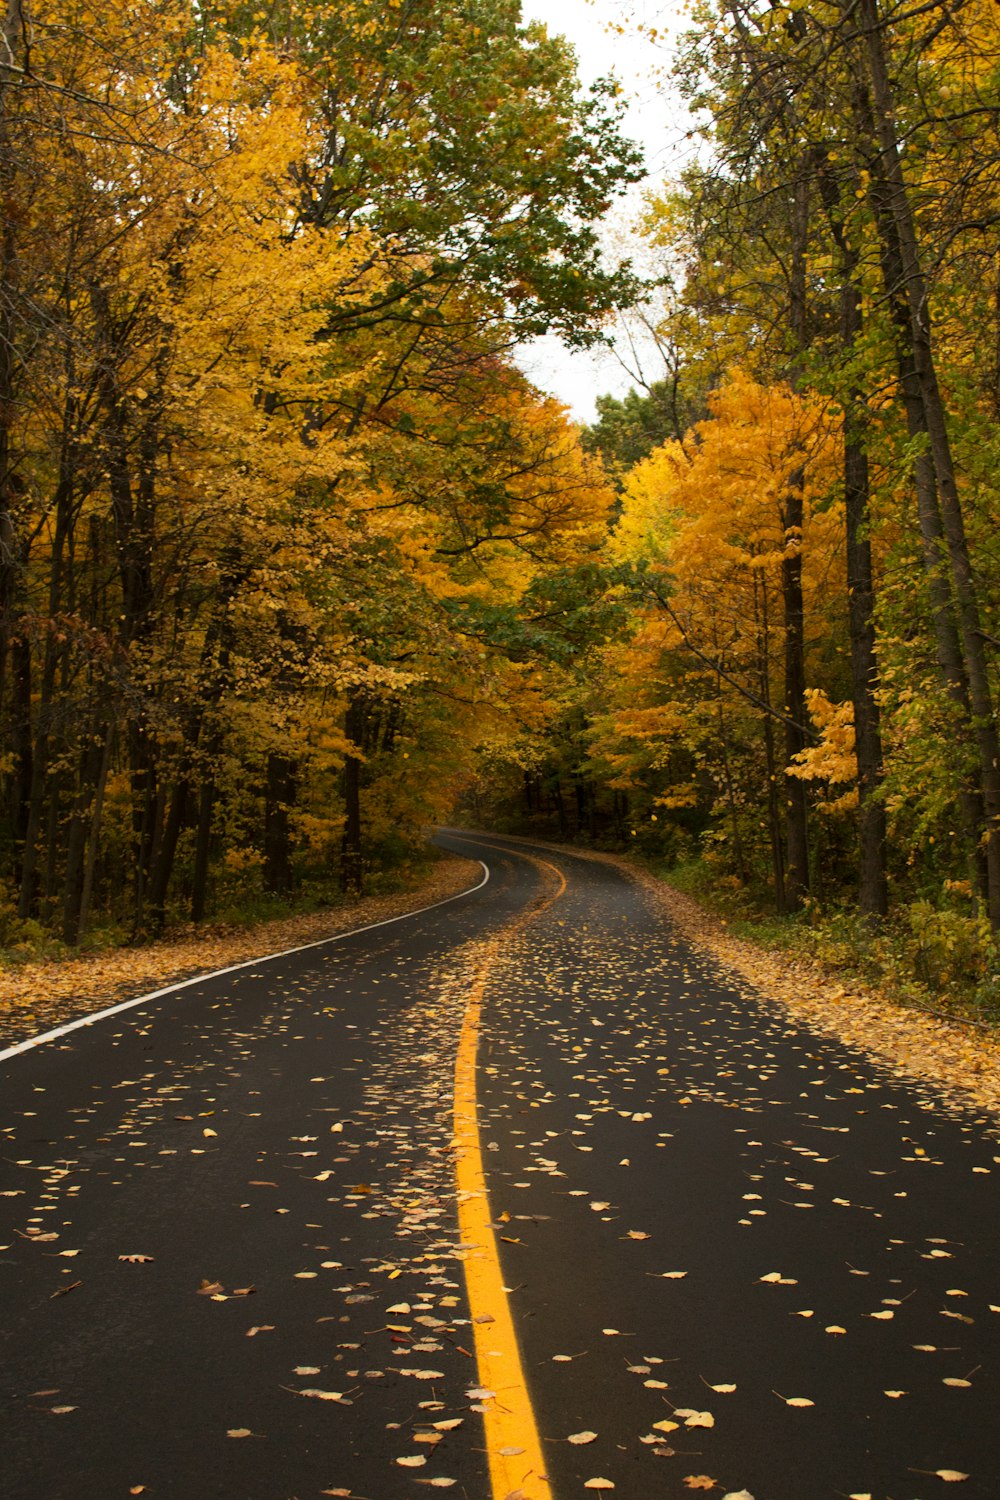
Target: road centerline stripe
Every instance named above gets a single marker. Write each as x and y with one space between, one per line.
516 1462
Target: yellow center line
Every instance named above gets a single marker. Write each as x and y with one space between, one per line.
517 1465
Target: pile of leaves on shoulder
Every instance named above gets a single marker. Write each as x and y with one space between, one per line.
959 1064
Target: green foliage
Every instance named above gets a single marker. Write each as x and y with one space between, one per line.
628 428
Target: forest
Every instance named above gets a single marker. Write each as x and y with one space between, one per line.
295 562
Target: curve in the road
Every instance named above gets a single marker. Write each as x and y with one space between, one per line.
248 963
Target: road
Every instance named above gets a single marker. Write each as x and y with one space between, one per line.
726 1255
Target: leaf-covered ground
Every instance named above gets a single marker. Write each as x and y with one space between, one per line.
39 996
957 1060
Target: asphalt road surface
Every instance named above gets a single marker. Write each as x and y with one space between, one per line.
740 1259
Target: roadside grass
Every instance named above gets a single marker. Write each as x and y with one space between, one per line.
240 903
940 959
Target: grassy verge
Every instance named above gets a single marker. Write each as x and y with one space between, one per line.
937 959
240 904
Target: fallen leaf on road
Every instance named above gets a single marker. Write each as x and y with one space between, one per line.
693 1418
599 1484
413 1461
950 1476
238 1432
322 1395
132 1260
582 1437
699 1482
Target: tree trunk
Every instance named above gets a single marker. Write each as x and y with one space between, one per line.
953 526
93 844
203 848
796 738
873 897
351 864
279 799
159 880
93 769
796 735
774 822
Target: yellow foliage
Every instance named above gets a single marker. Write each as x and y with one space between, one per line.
833 758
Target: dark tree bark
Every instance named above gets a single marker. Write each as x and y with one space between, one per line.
792 520
921 345
279 799
203 847
873 895
351 854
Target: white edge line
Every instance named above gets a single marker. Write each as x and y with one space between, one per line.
170 989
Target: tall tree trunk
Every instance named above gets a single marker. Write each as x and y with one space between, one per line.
796 734
279 799
11 34
351 862
734 818
873 896
159 880
774 820
796 737
956 544
947 644
203 847
94 840
22 745
93 769
872 852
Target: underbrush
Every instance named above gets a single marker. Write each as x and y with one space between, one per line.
240 901
938 957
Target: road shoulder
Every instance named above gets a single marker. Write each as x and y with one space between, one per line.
41 996
958 1064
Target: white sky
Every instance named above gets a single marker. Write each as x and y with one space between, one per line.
655 119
